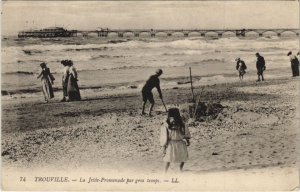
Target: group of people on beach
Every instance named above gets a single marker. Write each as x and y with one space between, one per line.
261 66
69 82
174 135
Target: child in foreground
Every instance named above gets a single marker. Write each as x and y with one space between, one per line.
174 138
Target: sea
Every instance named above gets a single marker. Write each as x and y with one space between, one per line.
115 63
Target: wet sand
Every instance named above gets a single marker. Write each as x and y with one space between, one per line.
257 128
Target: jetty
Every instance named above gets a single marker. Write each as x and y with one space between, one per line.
106 32
184 32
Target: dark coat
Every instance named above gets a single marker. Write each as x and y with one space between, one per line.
243 65
260 63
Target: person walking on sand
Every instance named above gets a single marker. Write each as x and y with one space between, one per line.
294 64
72 88
47 82
65 79
241 67
260 66
174 139
152 82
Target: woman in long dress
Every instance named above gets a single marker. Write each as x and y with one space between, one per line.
73 89
65 79
177 138
47 82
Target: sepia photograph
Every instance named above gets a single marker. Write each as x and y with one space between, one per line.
150 95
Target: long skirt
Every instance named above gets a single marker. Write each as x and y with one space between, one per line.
47 88
176 152
295 69
73 89
65 87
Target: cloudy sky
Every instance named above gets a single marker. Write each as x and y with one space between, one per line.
19 15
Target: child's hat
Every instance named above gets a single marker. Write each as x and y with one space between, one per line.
174 112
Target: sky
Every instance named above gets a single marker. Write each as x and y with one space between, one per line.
89 15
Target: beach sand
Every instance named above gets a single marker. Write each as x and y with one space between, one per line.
256 129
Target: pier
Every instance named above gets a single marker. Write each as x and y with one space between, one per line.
183 32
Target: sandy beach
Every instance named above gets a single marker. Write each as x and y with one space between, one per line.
256 128
244 134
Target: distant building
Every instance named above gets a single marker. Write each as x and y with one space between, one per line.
47 32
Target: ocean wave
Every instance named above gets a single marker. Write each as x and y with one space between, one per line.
19 72
268 38
140 53
172 54
125 66
273 48
88 49
33 51
247 49
205 61
95 57
118 41
186 44
213 60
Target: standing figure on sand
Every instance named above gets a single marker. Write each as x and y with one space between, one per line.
147 94
174 138
47 82
73 89
294 64
260 66
65 78
241 67
69 82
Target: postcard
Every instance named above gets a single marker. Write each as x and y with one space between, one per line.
150 95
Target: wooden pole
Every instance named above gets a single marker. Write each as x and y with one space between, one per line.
197 104
192 85
196 107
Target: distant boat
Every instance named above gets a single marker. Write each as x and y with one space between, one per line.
47 33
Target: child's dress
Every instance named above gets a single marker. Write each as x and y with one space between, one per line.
176 151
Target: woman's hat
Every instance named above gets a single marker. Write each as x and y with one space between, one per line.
43 65
289 53
159 71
